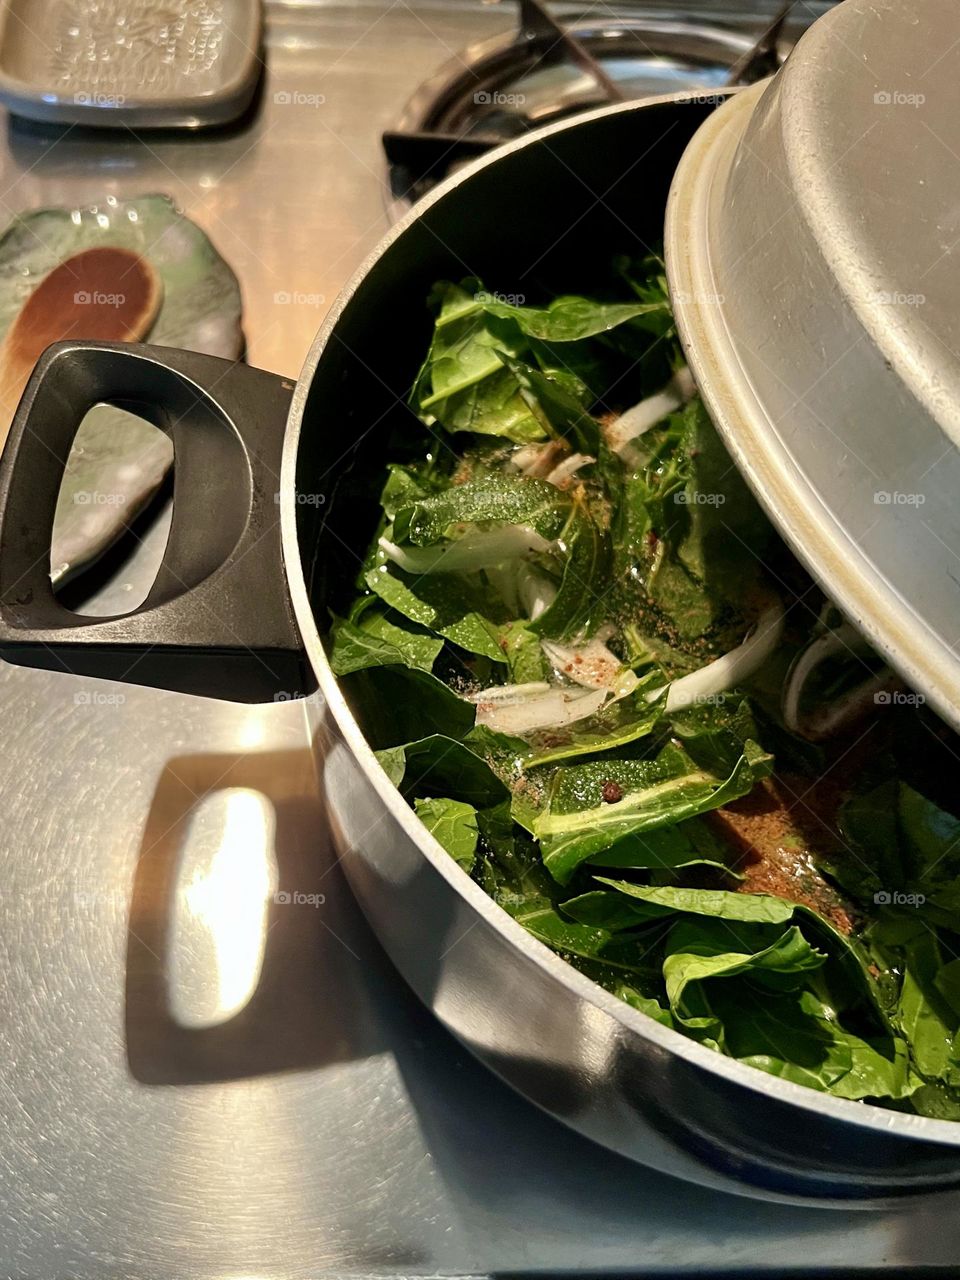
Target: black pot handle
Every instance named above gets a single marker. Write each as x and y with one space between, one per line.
218 620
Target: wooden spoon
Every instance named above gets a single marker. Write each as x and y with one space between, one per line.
106 294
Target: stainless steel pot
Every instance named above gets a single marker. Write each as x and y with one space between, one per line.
543 214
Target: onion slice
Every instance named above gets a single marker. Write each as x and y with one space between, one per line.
537 592
538 460
511 692
632 424
729 670
523 709
591 664
846 710
564 471
551 461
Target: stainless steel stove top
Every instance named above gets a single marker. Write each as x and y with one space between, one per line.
157 1121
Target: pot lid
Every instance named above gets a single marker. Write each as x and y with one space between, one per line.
813 253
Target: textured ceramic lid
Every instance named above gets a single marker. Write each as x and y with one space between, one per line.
139 63
813 250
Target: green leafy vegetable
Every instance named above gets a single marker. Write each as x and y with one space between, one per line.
761 1001
436 765
794 1036
464 384
371 639
467 382
695 955
571 319
403 486
454 824
551 569
525 657
506 500
611 728
558 403
924 1012
580 599
401 704
726 533
650 900
577 822
685 844
448 606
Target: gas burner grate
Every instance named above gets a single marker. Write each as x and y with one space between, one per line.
548 70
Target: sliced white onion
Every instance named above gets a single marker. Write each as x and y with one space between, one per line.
632 424
537 592
849 707
729 670
538 460
591 664
521 709
563 473
508 693
826 646
517 710
475 550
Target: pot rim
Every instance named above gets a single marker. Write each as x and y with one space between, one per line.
860 1115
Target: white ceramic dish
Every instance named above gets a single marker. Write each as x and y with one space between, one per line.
141 63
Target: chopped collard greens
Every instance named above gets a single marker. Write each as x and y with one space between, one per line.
617 702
